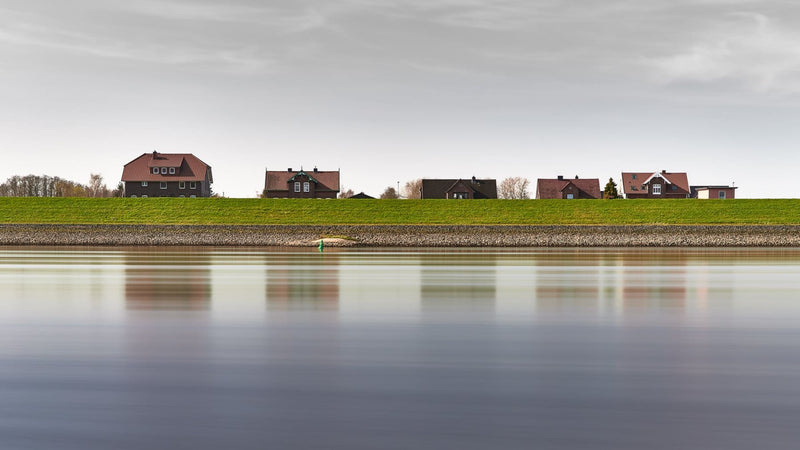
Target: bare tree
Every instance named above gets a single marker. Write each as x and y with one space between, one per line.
346 193
514 188
390 192
413 189
96 188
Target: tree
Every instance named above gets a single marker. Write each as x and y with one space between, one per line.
119 191
346 193
413 189
514 188
390 192
610 190
96 188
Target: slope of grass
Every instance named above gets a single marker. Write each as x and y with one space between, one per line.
411 212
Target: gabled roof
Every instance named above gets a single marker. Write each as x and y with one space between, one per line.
187 168
438 188
553 187
637 180
278 180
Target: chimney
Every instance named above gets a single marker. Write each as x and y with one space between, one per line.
560 177
289 169
474 180
664 171
576 177
315 168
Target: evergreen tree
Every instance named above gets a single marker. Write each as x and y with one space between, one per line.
610 190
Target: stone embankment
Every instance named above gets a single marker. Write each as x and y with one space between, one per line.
406 235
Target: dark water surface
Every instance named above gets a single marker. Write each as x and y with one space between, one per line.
202 348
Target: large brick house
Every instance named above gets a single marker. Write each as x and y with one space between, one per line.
459 188
655 184
568 189
301 184
167 175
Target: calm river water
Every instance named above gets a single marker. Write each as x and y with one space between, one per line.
209 348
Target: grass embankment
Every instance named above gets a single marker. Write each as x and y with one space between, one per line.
166 211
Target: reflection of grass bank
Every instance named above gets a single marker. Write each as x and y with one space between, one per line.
400 212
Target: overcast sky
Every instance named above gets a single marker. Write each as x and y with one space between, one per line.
393 90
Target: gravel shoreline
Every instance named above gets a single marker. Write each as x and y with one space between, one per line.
406 235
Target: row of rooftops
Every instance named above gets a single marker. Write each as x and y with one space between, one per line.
157 166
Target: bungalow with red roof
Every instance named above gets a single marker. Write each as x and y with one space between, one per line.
560 188
655 184
301 184
167 175
458 188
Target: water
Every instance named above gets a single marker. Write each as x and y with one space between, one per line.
200 348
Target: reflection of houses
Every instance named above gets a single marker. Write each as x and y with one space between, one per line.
655 184
459 188
464 281
298 281
155 281
559 188
709 192
167 175
301 184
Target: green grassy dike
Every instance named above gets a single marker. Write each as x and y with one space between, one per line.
222 211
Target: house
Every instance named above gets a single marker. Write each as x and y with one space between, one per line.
301 184
655 184
361 195
707 192
167 175
568 189
459 188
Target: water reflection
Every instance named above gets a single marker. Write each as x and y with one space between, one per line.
302 281
459 281
167 279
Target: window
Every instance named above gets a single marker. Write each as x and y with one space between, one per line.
722 195
181 185
656 189
172 171
306 186
192 196
163 185
460 195
155 170
634 188
570 196
133 196
182 196
633 177
297 186
144 196
193 185
163 171
144 183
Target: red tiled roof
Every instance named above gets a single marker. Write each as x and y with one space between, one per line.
278 180
187 168
637 179
552 187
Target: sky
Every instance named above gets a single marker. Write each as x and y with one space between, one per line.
389 91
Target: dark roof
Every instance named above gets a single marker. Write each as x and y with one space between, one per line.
632 180
187 168
552 187
438 188
278 180
361 195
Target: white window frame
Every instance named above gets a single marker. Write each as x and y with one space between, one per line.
163 185
306 186
297 186
570 196
144 196
192 185
192 196
155 170
722 195
172 171
163 171
181 185
144 183
133 195
656 189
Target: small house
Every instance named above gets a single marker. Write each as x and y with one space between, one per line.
459 188
568 189
655 184
301 184
717 192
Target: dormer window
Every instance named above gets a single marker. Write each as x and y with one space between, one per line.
297 186
306 186
656 189
155 170
172 171
163 171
